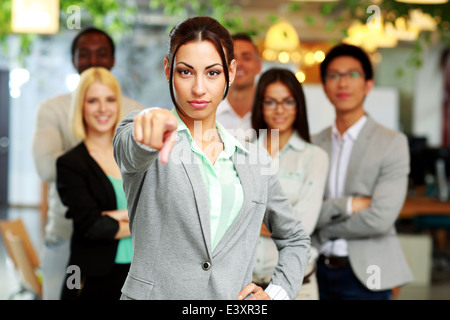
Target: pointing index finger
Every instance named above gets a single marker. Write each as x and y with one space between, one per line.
168 140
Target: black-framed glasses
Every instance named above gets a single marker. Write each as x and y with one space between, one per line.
350 75
287 104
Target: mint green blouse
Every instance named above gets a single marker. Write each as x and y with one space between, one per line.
125 248
225 192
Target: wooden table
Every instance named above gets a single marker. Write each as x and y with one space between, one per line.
420 205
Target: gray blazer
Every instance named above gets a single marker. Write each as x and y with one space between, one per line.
170 225
378 168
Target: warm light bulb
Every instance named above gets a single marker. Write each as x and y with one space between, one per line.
37 16
283 57
301 77
319 56
282 36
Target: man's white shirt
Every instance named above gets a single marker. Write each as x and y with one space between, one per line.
340 158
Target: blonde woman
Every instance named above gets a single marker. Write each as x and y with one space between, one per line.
90 185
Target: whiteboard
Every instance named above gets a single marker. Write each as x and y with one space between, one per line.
382 103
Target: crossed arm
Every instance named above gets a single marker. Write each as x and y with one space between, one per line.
375 213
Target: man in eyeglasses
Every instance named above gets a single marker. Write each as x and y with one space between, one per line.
360 255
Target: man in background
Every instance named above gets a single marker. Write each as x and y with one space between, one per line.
360 255
234 113
52 137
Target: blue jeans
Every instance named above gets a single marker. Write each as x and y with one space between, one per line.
342 284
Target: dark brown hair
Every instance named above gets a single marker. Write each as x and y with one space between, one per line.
87 30
289 79
200 29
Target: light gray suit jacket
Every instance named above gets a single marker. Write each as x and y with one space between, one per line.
170 225
378 168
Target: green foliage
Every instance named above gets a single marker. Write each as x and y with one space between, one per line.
185 8
222 10
294 6
117 17
348 10
442 14
310 20
110 15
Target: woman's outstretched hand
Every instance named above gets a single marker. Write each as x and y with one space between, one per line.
156 128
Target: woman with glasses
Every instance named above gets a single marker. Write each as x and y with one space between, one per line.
280 120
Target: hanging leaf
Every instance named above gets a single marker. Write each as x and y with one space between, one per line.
310 20
330 25
117 16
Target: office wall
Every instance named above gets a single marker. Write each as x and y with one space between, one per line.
381 103
428 97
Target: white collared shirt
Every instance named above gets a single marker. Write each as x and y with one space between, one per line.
239 127
341 151
275 292
225 192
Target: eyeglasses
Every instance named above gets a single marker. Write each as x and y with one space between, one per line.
287 104
350 75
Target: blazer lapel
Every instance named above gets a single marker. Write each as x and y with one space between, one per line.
359 150
108 189
241 165
190 164
326 141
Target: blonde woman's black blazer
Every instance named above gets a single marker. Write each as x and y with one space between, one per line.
86 192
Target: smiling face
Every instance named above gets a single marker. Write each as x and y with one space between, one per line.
93 50
248 64
344 89
100 109
198 80
279 108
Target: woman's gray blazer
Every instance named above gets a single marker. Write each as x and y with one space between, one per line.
170 224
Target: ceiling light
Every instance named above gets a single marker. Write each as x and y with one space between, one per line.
282 36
